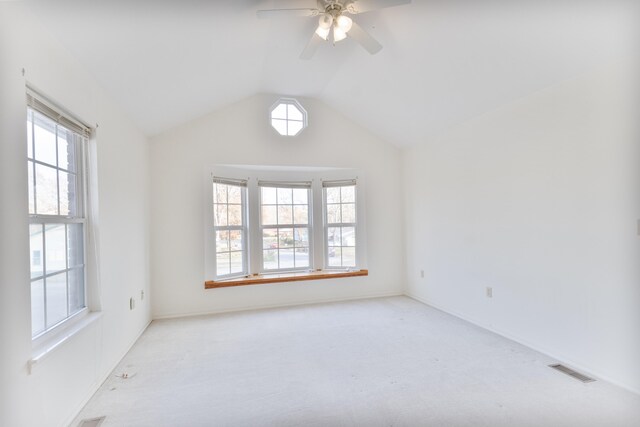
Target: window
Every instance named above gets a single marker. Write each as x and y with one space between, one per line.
272 221
288 117
340 223
229 207
56 214
284 222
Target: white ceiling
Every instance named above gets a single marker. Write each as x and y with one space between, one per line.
167 62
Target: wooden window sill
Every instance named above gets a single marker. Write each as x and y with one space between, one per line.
284 277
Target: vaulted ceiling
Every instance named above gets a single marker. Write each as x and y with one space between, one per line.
443 62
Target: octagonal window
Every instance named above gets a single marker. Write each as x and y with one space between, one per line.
288 117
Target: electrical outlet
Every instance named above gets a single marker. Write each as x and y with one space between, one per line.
132 303
489 292
422 274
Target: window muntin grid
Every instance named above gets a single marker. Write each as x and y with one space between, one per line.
229 223
57 222
340 226
288 117
285 219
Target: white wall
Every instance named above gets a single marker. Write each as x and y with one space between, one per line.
539 200
61 382
241 134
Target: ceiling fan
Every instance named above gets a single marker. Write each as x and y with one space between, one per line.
334 22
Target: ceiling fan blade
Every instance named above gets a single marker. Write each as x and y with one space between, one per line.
360 6
312 46
366 41
286 13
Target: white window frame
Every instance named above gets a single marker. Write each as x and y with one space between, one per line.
326 225
287 102
41 105
318 245
242 228
309 226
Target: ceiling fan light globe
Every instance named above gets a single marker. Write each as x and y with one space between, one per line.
325 21
344 23
338 34
322 32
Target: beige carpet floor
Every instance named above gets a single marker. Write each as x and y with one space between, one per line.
377 362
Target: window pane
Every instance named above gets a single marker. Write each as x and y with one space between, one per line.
348 194
75 244
333 194
68 201
236 262
223 264
235 215
270 259
301 237
294 127
280 126
302 257
66 149
294 113
219 193
45 139
268 196
76 290
222 241
300 196
46 190
55 248
300 215
285 214
32 209
56 298
280 112
333 214
270 238
348 257
37 307
220 215
335 257
29 134
285 196
286 258
235 194
235 240
349 213
35 246
348 236
269 215
333 236
285 238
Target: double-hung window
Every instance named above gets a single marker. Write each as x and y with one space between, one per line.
340 223
57 221
230 226
285 225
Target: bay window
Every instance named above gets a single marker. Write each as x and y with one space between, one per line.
264 222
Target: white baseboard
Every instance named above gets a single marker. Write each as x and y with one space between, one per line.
539 348
267 306
102 379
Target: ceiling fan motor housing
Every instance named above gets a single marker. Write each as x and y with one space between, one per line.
333 8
